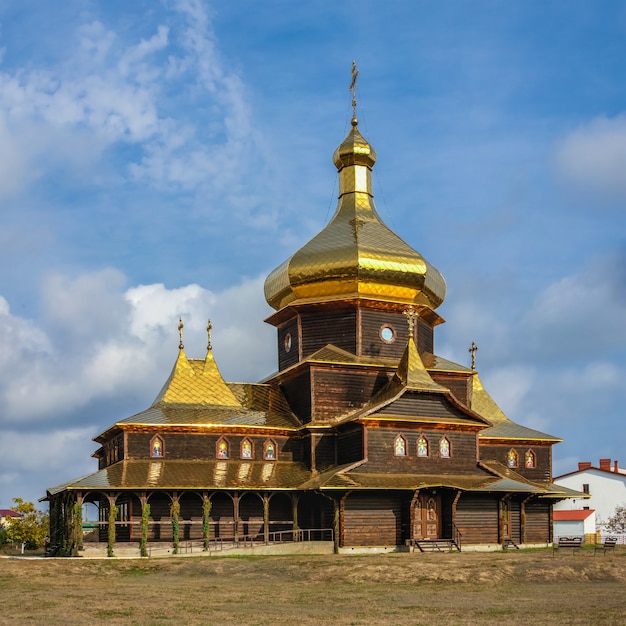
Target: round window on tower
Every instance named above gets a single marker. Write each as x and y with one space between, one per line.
287 342
387 333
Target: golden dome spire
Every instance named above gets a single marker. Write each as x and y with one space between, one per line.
356 256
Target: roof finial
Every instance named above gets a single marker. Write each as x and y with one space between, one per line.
355 73
180 333
411 316
472 351
208 332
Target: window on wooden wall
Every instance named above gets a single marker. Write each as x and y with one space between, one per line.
399 446
530 460
422 446
269 450
444 448
512 459
246 449
222 448
157 447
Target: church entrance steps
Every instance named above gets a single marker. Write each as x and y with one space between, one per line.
436 545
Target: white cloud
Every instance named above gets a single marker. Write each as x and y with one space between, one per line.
109 92
594 156
101 342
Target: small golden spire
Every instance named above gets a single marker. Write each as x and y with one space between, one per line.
180 333
411 316
208 332
355 73
472 351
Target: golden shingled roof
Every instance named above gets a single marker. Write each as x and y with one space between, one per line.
503 428
356 256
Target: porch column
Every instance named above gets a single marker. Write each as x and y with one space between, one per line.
412 520
294 514
523 519
266 518
236 516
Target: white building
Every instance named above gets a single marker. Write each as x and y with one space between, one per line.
605 485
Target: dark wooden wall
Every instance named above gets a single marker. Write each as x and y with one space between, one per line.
350 444
297 392
325 451
202 446
543 457
537 527
381 458
337 327
291 357
372 519
477 518
337 390
460 386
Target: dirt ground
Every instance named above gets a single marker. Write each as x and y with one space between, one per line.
512 587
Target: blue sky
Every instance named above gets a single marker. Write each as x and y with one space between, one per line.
159 158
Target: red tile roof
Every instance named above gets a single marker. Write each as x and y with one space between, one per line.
577 515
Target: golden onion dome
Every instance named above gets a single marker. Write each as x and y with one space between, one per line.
356 256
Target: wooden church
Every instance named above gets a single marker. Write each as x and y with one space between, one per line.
363 437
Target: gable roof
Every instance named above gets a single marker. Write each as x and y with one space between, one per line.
577 515
502 427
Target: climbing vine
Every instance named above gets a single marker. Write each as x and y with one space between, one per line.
175 512
77 530
145 519
112 517
206 513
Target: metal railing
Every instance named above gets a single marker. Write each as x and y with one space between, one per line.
218 544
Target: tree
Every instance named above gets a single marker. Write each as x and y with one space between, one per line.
31 528
617 522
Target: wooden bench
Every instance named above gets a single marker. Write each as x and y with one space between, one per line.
567 543
607 545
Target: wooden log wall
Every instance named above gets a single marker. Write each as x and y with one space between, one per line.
542 472
515 508
372 519
203 446
288 354
477 518
381 457
337 327
350 444
325 451
337 390
537 528
297 391
460 386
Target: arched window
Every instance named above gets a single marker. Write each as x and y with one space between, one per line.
529 459
422 446
269 450
444 448
157 449
512 460
399 446
221 451
246 449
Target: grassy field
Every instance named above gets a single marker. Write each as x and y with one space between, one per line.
531 587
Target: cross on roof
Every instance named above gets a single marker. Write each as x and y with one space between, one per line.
180 332
208 332
411 315
355 73
472 351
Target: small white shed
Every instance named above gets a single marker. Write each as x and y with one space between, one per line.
574 522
